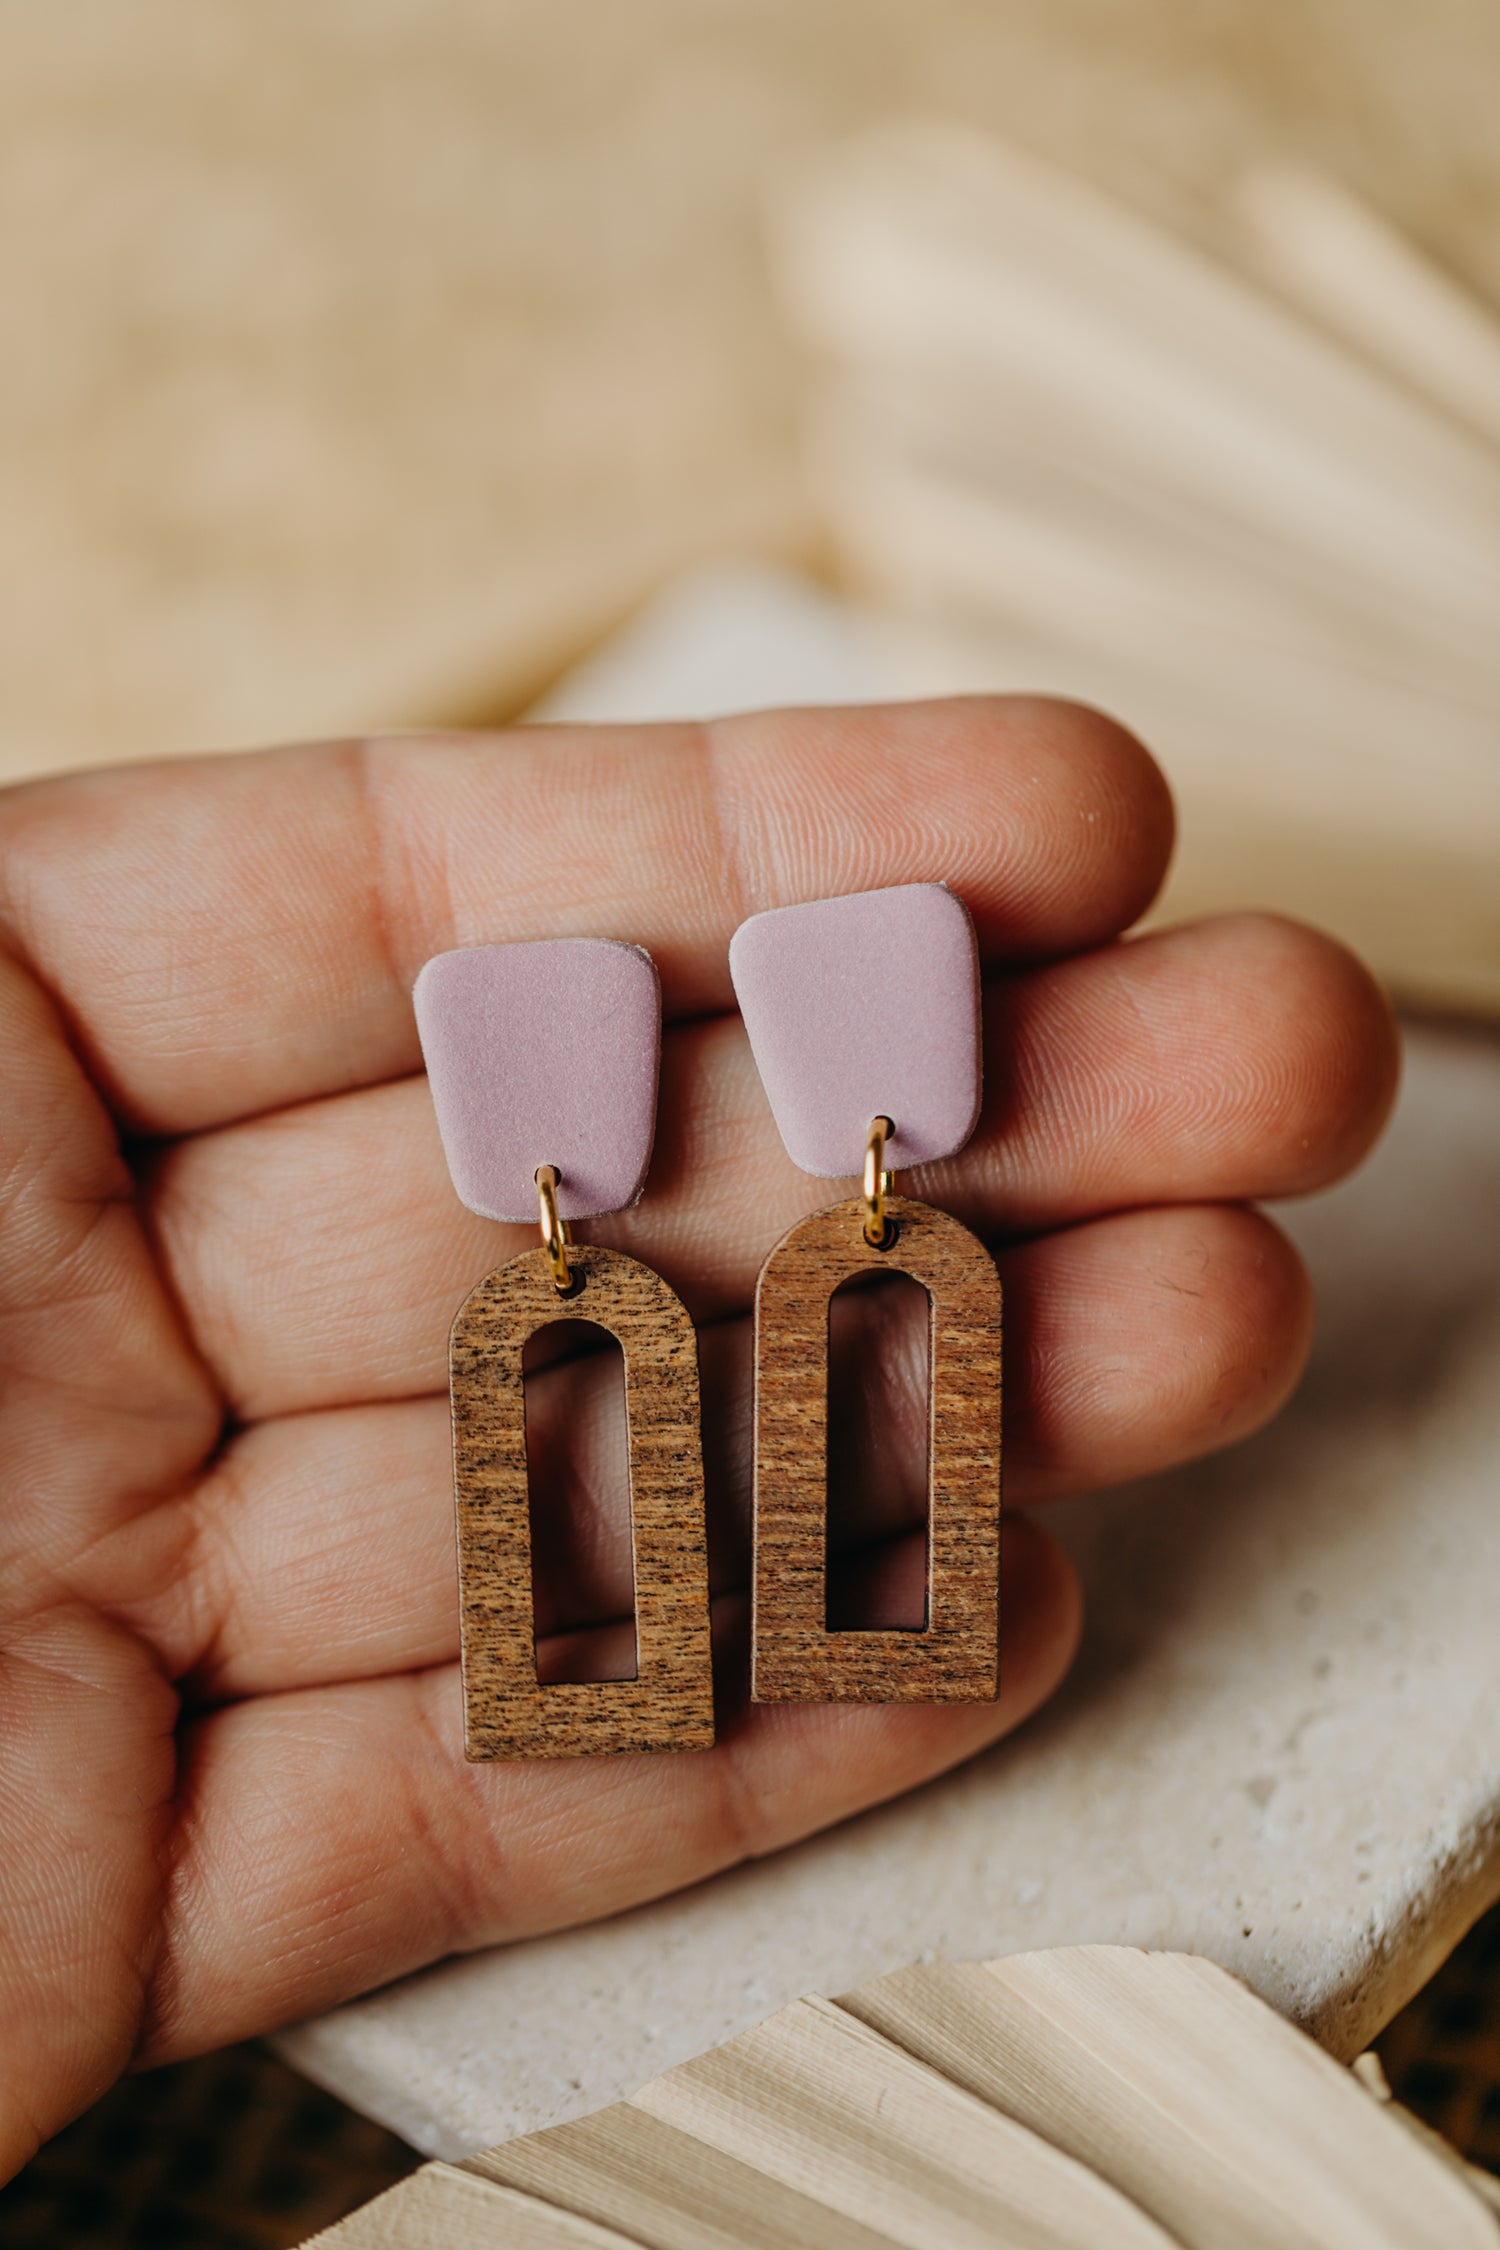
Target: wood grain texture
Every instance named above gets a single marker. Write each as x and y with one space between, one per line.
796 1658
669 1704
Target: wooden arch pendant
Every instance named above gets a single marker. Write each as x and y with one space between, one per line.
957 1658
669 1704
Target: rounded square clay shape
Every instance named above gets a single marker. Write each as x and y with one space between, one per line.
543 1053
863 1007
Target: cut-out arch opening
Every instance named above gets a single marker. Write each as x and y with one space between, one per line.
879 1428
578 1484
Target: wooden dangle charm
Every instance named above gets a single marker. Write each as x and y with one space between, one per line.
543 1061
669 1704
796 1658
863 1017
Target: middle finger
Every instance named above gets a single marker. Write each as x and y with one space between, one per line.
319 1253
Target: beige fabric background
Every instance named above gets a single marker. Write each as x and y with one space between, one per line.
363 362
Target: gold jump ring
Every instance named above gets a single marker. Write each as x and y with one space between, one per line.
877 1182
554 1229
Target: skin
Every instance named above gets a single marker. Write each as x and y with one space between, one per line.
232 1789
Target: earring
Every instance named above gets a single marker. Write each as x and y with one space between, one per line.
543 1062
863 1018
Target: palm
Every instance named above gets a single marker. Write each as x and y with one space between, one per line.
231 1766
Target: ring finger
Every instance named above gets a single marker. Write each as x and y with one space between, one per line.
320 1547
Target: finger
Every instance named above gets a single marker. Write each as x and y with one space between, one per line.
320 1254
322 1545
83 1318
235 934
86 1775
99 1401
334 1839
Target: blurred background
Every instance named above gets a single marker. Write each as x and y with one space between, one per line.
368 365
408 363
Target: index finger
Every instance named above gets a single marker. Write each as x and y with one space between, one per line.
233 934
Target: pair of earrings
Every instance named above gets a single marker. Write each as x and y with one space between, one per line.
863 1018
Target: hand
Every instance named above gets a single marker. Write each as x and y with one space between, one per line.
231 1770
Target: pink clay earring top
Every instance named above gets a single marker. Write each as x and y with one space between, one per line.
543 1053
863 1007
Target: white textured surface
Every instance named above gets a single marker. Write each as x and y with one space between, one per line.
1279 1747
